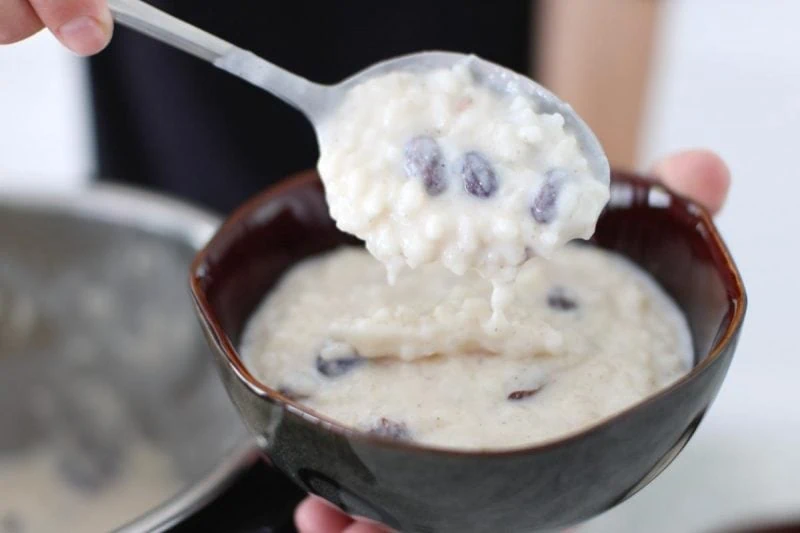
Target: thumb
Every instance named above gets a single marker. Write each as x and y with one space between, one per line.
83 26
697 174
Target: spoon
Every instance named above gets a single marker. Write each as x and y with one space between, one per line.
316 101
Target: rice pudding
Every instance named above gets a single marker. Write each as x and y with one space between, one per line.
474 346
435 167
586 335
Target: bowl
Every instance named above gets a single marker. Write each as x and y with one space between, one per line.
111 411
416 488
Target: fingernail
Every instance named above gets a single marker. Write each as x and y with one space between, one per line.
85 35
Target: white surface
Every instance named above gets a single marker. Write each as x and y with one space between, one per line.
45 129
729 80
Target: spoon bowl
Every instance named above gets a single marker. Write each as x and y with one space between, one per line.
318 101
495 77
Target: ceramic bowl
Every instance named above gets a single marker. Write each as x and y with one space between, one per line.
416 488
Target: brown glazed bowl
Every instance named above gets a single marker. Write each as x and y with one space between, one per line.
415 488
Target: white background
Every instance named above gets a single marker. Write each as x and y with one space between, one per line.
728 78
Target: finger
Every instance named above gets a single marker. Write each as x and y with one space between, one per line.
83 26
18 21
314 515
364 527
698 174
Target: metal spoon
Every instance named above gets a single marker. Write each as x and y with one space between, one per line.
315 100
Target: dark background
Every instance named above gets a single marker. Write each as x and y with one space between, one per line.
170 122
261 501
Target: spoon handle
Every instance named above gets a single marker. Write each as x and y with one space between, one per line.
295 90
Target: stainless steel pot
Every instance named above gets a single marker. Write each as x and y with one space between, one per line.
100 353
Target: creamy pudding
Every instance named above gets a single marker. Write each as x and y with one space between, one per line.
586 335
499 334
435 167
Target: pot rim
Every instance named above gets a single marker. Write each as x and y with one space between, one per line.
169 217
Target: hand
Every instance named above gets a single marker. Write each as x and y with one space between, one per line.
83 26
696 174
315 515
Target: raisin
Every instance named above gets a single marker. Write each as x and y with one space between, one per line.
424 160
391 429
522 394
479 177
333 368
558 299
545 202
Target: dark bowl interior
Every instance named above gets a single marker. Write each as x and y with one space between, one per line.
414 488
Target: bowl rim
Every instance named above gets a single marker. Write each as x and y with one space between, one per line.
165 216
706 228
